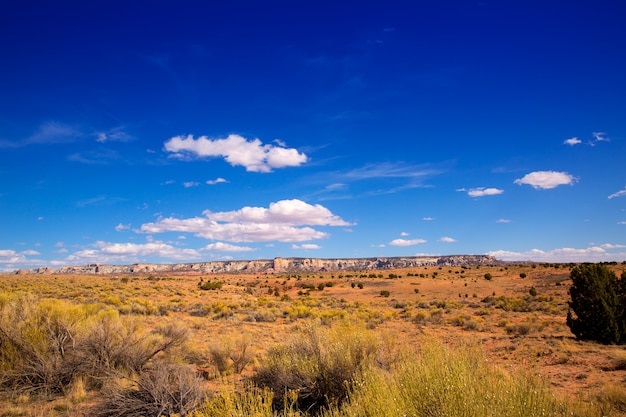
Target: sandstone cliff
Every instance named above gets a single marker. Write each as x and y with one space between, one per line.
277 265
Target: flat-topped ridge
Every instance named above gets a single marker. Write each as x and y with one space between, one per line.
276 265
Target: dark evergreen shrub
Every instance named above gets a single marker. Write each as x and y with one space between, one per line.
598 304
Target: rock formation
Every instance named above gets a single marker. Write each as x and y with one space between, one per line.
277 265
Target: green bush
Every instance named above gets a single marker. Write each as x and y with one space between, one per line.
598 304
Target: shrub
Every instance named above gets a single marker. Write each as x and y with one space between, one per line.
598 304
319 365
385 293
161 390
488 276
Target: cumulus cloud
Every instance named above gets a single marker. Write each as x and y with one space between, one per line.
107 252
216 181
283 221
306 246
447 239
189 184
546 179
406 242
404 234
620 193
572 141
121 227
482 191
226 247
237 151
11 259
598 253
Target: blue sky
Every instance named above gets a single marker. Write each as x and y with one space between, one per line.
196 131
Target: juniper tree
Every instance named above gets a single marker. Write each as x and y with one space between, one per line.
598 304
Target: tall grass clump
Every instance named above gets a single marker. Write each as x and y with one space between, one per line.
442 381
317 365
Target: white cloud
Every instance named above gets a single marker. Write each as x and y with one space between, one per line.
11 259
599 137
572 141
189 184
121 227
404 234
447 239
290 212
237 150
106 252
283 221
600 253
620 193
621 222
406 242
226 247
216 181
611 246
306 246
546 179
428 219
503 221
482 191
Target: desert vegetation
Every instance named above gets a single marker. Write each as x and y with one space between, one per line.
423 341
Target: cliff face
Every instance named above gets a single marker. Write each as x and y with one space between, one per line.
277 265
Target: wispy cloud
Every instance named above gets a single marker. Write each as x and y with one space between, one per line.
599 253
406 242
390 170
113 135
481 191
189 184
306 246
226 247
546 179
216 181
447 239
503 221
620 193
428 219
572 141
237 151
282 221
100 200
599 137
47 133
121 227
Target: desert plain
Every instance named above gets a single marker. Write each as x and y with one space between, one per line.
515 313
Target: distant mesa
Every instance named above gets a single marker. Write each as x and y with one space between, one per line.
273 266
